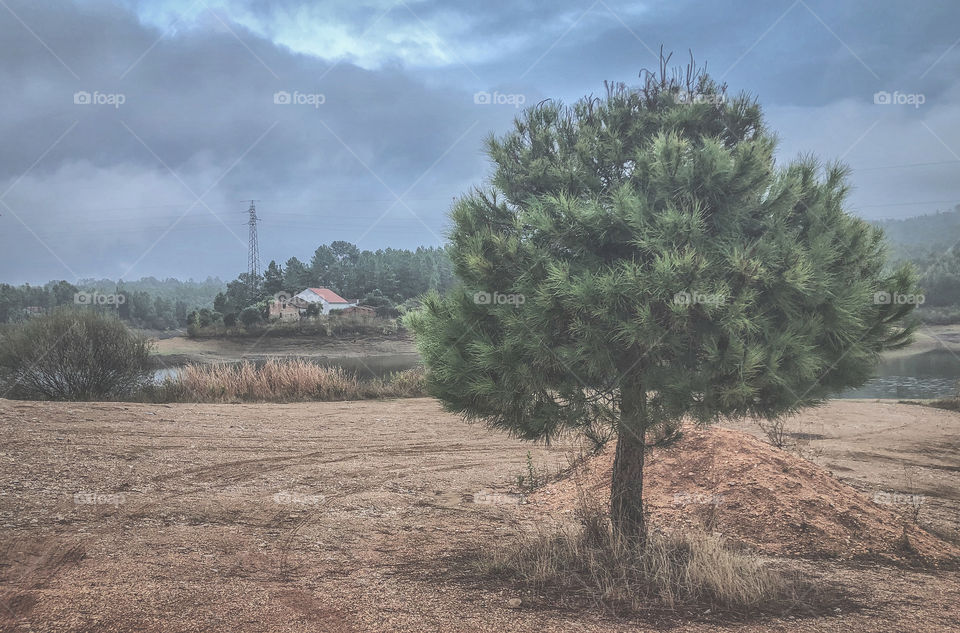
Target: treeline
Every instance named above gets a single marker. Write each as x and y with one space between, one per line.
932 244
17 303
149 303
382 279
939 277
196 294
922 236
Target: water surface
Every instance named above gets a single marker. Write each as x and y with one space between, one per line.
932 374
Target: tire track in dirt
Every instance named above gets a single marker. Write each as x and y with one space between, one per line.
29 566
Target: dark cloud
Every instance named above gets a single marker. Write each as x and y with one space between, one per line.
108 190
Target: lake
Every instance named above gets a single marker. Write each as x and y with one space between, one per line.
929 375
932 374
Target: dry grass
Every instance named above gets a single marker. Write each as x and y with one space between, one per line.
281 381
950 404
672 571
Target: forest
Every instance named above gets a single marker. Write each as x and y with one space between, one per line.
386 278
382 279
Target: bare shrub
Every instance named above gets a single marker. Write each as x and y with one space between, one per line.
73 355
665 433
776 431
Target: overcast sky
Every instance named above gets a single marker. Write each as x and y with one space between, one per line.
133 131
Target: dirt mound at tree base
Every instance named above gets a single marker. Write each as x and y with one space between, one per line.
732 483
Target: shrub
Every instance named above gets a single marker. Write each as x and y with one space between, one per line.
73 355
250 316
776 431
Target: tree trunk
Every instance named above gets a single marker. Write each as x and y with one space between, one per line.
626 490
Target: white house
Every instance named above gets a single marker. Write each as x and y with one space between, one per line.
328 299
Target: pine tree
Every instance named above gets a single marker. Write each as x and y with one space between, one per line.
296 276
272 279
640 259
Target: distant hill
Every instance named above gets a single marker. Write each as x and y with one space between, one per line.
927 242
923 235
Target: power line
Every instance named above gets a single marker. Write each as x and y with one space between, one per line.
905 204
296 199
939 162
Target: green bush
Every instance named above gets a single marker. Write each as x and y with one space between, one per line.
73 355
250 316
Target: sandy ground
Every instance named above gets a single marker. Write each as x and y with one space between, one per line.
356 517
929 338
181 350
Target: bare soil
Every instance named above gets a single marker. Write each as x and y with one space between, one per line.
928 338
360 516
729 482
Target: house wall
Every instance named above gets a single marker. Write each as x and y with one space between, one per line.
307 297
284 312
330 306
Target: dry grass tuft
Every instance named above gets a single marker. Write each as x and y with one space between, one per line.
673 571
282 381
950 404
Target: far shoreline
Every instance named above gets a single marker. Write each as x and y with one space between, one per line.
177 351
930 338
